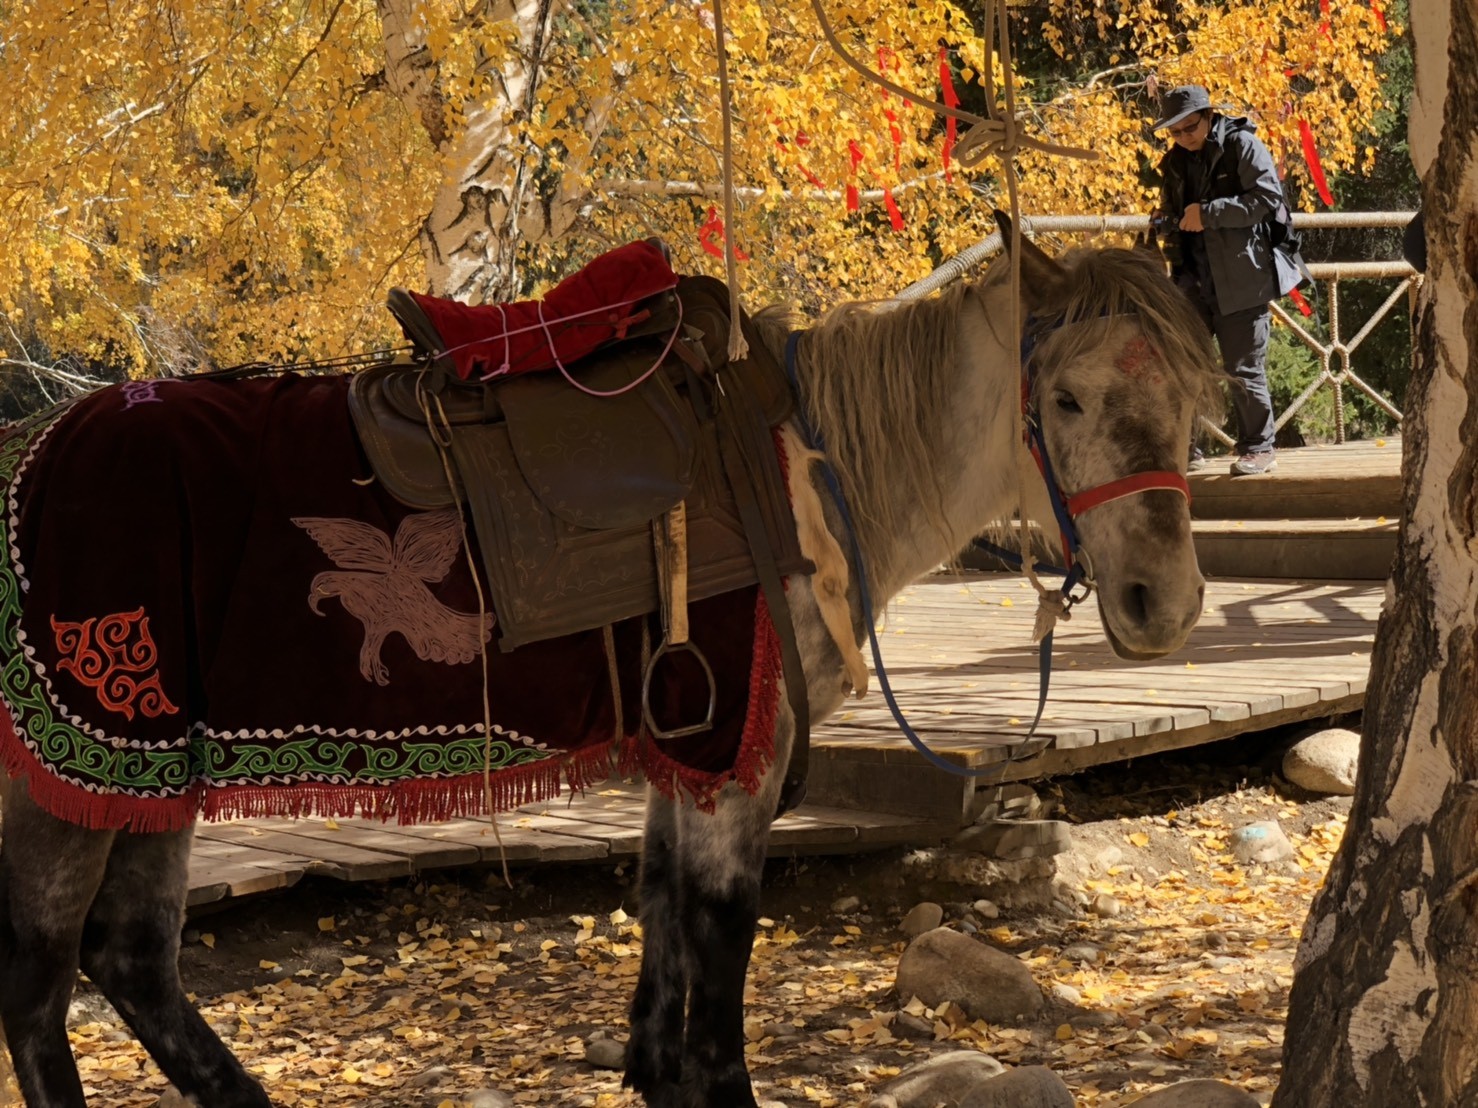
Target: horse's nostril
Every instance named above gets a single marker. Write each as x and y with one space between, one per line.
1201 596
1137 603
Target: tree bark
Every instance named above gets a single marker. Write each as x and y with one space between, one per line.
1384 1008
490 201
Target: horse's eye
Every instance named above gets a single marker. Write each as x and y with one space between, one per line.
1067 402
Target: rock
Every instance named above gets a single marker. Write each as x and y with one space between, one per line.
1156 1032
1200 1093
1105 905
986 909
90 1008
430 1078
1023 1087
1214 940
1011 800
1015 839
1080 952
487 1098
1324 762
846 904
987 983
606 1054
884 1101
908 1026
1262 841
1067 994
943 1079
173 1098
1105 860
922 917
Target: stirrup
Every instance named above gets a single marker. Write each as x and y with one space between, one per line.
646 693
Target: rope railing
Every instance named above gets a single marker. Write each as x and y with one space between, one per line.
1335 356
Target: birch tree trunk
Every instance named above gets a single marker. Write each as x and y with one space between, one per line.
490 199
1384 1009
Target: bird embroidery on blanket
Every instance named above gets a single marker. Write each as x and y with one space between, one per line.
384 586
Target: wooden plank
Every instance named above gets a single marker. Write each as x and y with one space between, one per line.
422 853
326 857
516 844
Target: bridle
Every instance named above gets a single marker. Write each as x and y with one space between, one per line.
1064 506
1067 507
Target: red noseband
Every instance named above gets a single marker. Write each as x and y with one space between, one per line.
1128 486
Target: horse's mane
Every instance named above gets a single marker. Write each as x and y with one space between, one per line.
868 387
1105 283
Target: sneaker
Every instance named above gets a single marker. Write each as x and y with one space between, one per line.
1197 459
1258 461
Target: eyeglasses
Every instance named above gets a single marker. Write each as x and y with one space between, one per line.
1186 130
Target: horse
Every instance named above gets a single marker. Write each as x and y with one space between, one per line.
917 403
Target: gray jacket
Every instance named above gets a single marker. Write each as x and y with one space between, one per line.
1239 202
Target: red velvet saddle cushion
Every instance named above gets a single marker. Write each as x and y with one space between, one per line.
583 312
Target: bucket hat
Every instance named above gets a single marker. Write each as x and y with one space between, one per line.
1180 102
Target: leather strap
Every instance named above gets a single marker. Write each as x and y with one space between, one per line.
737 431
1081 502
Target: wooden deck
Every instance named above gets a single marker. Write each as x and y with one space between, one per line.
958 652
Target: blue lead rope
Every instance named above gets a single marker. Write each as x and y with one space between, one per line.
1072 576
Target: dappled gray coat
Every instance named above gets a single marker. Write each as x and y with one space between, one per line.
1242 199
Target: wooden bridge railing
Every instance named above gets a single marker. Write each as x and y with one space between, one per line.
1335 369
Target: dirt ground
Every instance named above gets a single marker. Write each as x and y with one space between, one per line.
412 994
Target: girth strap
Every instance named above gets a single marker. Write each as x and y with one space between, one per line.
739 449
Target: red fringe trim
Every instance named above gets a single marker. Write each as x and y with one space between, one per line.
756 745
95 811
427 800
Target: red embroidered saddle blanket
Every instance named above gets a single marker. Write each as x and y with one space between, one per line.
209 608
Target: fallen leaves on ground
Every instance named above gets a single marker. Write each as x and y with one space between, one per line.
1190 979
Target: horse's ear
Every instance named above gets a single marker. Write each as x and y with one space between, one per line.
1044 282
1149 240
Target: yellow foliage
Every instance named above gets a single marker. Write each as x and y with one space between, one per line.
219 180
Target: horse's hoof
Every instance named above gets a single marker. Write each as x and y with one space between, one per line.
728 1088
654 1081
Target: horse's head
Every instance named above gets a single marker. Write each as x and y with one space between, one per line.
1120 365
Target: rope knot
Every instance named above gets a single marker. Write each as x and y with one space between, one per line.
1052 606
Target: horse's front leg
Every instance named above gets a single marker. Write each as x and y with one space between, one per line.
721 863
49 873
654 1055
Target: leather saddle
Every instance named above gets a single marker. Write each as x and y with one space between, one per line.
563 487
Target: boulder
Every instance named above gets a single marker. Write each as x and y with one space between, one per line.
986 983
922 917
943 1079
1262 841
1023 1087
1200 1093
1324 762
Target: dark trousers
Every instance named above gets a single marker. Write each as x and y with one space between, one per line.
1243 339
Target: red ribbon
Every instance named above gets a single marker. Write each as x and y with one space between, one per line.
1380 16
1299 302
894 215
801 139
854 152
1316 167
951 100
887 60
711 234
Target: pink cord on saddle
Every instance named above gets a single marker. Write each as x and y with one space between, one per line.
662 357
544 325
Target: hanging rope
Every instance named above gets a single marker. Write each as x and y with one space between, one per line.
738 348
997 134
